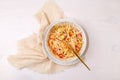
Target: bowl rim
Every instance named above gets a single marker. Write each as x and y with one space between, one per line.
49 53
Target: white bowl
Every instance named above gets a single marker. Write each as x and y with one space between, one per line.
49 53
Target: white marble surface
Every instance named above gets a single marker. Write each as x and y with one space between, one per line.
100 18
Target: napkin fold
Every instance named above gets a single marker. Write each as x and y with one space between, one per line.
30 53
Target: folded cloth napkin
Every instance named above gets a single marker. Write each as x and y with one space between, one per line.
30 53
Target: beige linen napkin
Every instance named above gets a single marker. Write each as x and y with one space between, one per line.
30 53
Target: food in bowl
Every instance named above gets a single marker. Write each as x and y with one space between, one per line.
59 35
62 39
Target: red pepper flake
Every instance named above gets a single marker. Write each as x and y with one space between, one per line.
55 51
76 48
61 55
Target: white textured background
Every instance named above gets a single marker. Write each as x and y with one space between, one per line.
100 18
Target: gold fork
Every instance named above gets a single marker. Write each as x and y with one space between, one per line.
76 54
